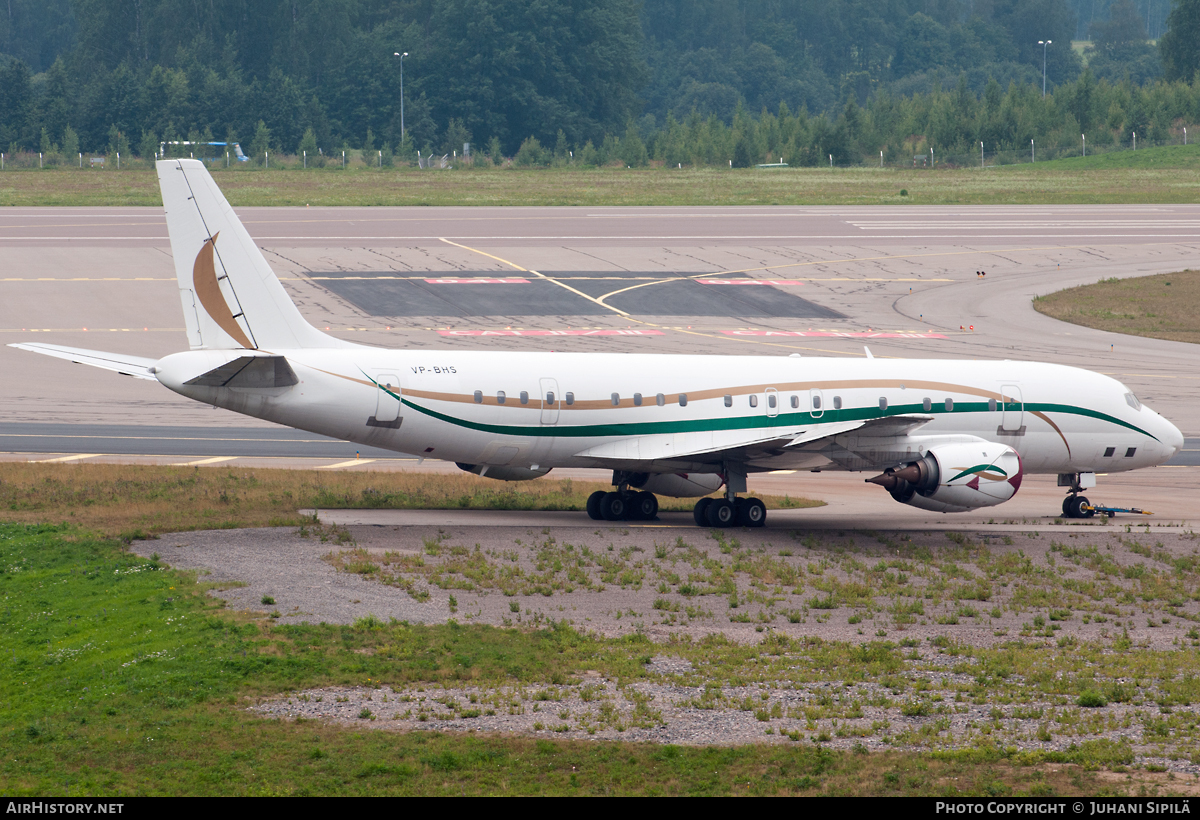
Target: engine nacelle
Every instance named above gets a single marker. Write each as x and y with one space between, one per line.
503 473
956 477
677 485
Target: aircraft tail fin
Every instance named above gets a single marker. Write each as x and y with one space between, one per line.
231 297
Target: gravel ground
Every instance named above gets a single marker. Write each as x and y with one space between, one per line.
669 711
1032 575
913 589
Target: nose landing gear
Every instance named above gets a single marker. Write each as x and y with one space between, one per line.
1076 505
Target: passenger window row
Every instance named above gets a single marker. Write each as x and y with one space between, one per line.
569 398
660 399
773 399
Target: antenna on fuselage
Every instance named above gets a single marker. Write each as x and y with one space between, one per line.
867 350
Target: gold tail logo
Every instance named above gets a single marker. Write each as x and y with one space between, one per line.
208 291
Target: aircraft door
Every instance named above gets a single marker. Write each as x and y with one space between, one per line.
772 397
551 401
1012 417
387 400
816 403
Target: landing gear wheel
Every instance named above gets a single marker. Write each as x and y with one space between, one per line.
643 507
1075 506
700 512
1066 508
593 505
751 512
613 507
721 513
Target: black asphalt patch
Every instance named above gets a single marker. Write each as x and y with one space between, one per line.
191 442
387 293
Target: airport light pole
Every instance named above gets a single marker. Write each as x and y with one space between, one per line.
402 56
1044 44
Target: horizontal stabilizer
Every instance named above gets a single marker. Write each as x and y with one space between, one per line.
135 366
249 371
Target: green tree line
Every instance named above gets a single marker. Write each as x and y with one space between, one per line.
682 81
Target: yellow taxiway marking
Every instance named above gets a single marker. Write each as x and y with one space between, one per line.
350 463
561 284
213 460
68 458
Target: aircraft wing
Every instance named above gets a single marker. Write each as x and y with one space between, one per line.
135 366
875 428
756 447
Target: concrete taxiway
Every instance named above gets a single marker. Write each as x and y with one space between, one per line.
752 280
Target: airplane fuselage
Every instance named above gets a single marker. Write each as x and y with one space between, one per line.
546 410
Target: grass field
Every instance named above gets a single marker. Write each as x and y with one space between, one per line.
1155 175
126 500
1160 307
121 677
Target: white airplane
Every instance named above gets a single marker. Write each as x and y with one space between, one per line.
947 436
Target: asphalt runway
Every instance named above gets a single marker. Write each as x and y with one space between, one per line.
272 441
901 280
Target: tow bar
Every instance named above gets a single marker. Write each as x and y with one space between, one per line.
1091 509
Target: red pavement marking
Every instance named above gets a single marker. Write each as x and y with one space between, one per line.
874 334
550 333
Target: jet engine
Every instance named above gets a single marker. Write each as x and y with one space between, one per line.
677 485
503 473
956 477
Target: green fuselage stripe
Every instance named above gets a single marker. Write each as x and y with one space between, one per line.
646 428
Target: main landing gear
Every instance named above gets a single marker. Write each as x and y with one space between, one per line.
622 506
626 503
731 511
725 512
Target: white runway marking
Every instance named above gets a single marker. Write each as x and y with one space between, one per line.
213 460
68 458
553 238
351 463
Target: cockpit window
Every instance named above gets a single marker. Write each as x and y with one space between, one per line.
1132 401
